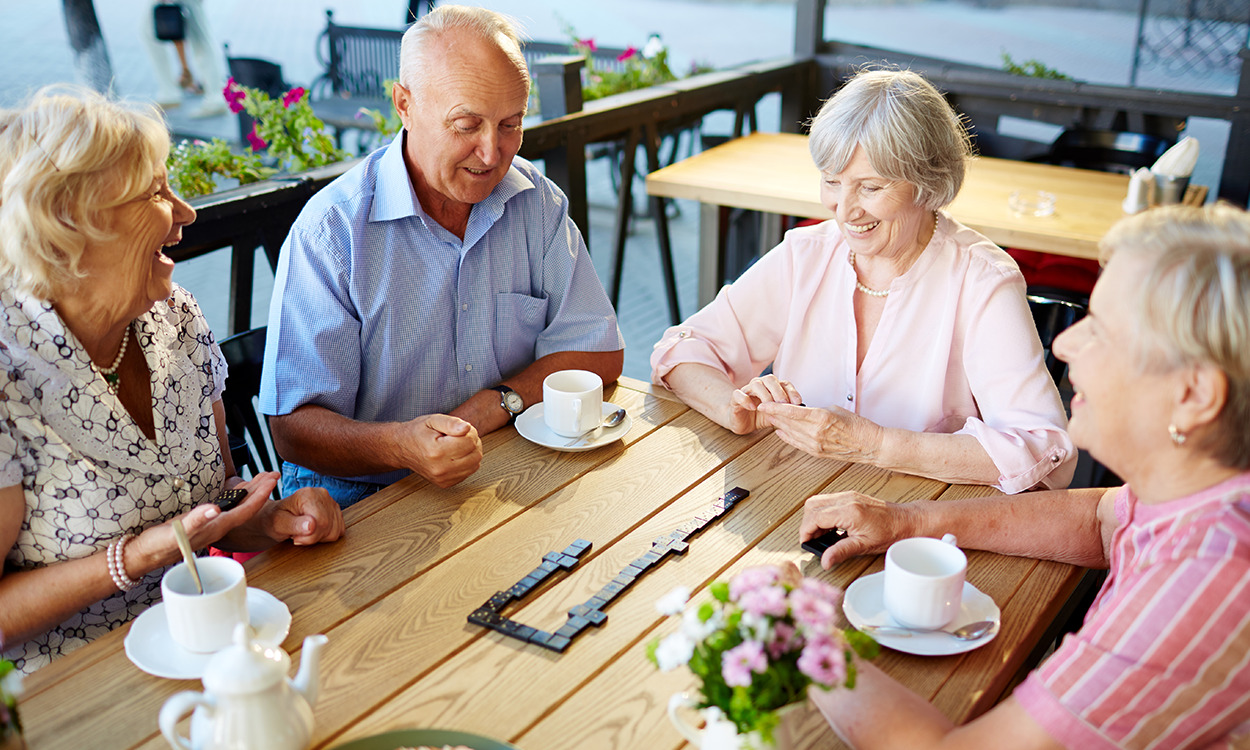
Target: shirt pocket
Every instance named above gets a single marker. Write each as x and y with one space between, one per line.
519 319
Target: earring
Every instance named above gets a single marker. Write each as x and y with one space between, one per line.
1178 437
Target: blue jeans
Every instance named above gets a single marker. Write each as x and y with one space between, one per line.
346 492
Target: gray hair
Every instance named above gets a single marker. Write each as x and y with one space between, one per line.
66 158
487 24
906 127
1194 306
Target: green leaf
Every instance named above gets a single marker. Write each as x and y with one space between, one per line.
651 649
863 645
720 591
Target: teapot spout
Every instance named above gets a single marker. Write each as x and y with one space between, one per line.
308 682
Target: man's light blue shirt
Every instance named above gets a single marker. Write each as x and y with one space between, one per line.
381 314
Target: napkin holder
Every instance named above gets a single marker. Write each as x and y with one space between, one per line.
1141 189
1169 188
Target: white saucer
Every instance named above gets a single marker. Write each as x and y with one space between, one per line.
863 606
534 429
150 647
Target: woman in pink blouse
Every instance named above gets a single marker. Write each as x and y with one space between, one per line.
897 336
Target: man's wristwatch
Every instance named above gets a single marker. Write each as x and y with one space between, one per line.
511 402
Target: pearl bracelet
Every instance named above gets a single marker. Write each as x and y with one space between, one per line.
117 563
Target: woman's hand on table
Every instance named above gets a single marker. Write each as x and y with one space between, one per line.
745 415
826 433
871 525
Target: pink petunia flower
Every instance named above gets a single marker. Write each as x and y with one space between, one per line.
822 590
751 579
234 96
628 53
588 43
739 662
786 638
824 660
765 600
254 139
292 97
813 613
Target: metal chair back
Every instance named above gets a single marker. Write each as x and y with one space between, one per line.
245 354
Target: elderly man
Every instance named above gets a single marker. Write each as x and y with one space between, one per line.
422 297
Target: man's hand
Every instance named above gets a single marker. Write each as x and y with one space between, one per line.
871 525
826 433
443 449
306 516
745 415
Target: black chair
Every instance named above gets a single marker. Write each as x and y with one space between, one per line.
1053 311
258 74
1105 150
357 62
250 443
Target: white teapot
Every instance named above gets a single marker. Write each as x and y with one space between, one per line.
248 701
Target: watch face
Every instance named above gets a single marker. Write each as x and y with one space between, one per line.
513 403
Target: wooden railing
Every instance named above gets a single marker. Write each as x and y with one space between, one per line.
260 215
986 94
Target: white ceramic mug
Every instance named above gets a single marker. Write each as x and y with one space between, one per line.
572 402
924 581
204 623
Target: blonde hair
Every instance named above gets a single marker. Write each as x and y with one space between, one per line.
486 24
1194 306
906 127
66 158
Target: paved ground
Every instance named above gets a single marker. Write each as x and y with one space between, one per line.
1094 45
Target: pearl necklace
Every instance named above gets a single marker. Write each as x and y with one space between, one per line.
860 286
111 376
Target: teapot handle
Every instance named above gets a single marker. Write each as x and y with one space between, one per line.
175 708
683 700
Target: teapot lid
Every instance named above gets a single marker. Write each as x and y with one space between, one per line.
245 666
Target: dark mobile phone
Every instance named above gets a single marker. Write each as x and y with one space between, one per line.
230 499
818 545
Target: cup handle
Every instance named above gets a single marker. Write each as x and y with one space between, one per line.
950 539
683 700
175 708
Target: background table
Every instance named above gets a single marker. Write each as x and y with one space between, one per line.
394 593
774 173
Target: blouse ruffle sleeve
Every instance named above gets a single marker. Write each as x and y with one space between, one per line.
1022 422
740 331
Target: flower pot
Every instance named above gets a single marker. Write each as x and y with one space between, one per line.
717 736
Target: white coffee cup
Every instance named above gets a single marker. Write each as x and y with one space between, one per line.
204 623
572 402
924 581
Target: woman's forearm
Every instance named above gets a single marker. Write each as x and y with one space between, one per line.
958 459
704 389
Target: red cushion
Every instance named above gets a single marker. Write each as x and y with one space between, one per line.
1060 271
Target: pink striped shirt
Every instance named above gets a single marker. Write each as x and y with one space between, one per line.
1163 659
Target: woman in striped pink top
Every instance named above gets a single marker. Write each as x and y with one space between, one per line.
1161 369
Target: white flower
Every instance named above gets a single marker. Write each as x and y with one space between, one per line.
755 627
673 602
653 46
695 629
11 684
719 733
674 651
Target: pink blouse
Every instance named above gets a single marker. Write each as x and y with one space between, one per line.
955 351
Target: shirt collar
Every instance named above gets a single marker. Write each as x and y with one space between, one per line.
395 198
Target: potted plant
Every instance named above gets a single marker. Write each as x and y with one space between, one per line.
10 722
756 647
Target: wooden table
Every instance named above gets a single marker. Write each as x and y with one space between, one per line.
393 595
774 173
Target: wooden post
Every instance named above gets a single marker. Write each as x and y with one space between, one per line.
809 27
559 85
1235 179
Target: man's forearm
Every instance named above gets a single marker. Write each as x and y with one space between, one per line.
316 438
484 411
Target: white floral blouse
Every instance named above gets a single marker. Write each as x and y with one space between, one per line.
88 471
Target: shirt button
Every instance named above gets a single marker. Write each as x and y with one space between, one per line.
1055 459
179 483
465 306
468 368
850 397
682 334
